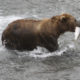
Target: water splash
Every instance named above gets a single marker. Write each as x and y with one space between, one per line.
39 54
43 53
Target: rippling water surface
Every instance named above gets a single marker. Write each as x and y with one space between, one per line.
39 64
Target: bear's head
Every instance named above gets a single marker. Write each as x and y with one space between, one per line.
66 22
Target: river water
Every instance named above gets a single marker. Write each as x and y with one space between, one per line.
39 64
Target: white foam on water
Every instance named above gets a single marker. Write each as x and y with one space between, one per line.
43 53
40 54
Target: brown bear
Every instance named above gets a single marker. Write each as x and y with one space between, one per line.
27 34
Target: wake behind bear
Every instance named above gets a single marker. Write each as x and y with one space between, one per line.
25 34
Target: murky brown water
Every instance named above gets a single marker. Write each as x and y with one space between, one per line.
63 64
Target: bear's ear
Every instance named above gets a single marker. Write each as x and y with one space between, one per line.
63 18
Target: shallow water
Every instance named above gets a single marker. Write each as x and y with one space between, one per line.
39 64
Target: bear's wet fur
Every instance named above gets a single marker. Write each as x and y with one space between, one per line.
26 34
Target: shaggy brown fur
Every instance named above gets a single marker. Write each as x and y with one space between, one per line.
28 34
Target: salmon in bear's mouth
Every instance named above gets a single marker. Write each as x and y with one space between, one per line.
77 32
